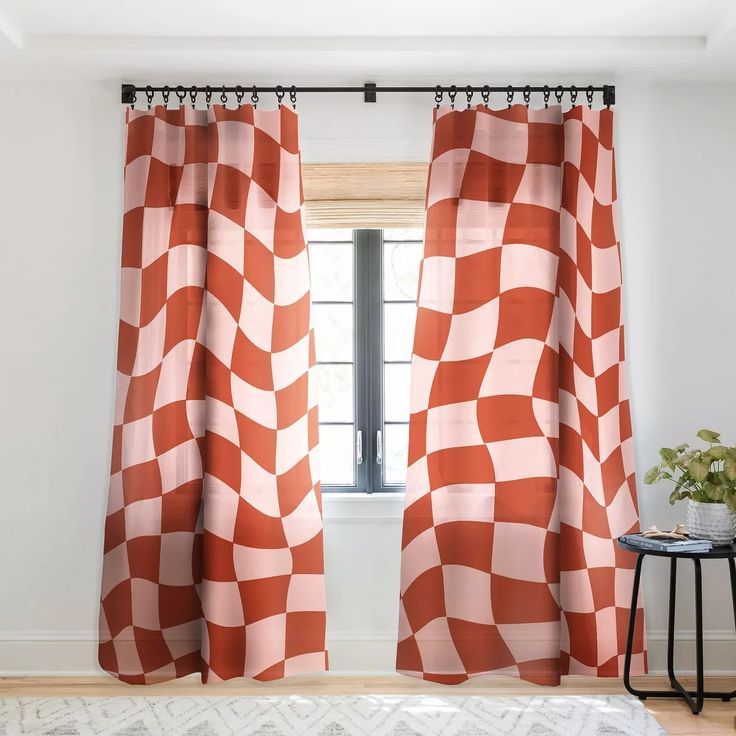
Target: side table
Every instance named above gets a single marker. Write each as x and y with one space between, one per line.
693 698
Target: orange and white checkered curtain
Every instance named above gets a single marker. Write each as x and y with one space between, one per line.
213 540
520 451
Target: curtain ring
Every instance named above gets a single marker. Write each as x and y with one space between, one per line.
239 94
509 95
546 93
279 94
527 95
438 95
149 95
254 96
558 93
573 94
589 96
223 96
469 95
292 97
166 93
485 93
132 100
193 96
452 93
181 94
208 95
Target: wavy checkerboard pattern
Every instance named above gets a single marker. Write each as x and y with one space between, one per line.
213 538
520 452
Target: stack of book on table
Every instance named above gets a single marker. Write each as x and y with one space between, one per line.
668 545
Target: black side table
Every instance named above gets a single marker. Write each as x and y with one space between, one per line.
693 698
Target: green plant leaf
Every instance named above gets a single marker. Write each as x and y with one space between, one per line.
717 452
674 496
668 455
681 448
714 492
651 475
731 502
698 470
729 467
708 435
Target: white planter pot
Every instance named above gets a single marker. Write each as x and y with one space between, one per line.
713 521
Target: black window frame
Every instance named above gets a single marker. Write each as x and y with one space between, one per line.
368 362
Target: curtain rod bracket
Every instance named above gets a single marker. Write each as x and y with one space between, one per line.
369 92
127 95
609 95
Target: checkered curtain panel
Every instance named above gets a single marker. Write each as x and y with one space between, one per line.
213 538
520 451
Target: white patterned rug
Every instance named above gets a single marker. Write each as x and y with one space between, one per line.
296 715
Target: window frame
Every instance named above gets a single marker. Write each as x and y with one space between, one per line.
368 361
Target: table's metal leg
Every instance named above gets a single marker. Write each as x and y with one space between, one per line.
632 627
695 703
732 575
671 622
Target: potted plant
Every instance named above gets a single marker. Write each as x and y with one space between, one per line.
707 479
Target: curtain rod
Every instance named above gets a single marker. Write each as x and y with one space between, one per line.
369 90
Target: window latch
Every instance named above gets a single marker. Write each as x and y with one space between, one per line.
379 447
359 447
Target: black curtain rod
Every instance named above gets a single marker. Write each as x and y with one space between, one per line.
369 90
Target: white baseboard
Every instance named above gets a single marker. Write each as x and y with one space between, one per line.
74 653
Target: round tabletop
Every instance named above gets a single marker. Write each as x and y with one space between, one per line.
717 553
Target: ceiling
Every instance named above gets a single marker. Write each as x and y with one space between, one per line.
383 40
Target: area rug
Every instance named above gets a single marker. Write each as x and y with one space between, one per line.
296 715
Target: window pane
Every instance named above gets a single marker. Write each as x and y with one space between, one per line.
335 392
395 453
398 331
333 332
396 392
401 270
331 269
336 452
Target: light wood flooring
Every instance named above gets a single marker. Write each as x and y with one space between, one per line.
717 718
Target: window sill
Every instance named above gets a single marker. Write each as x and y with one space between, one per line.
360 507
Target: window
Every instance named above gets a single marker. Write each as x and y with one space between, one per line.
364 286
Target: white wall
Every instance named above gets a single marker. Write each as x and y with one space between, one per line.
60 195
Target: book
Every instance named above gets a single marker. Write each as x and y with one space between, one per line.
668 545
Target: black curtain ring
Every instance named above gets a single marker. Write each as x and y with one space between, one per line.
292 97
254 96
208 95
469 95
573 94
239 94
181 94
527 95
166 93
452 94
133 98
223 96
193 96
510 95
545 94
438 94
589 96
279 94
149 95
485 93
558 93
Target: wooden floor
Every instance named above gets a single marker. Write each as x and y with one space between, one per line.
717 718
